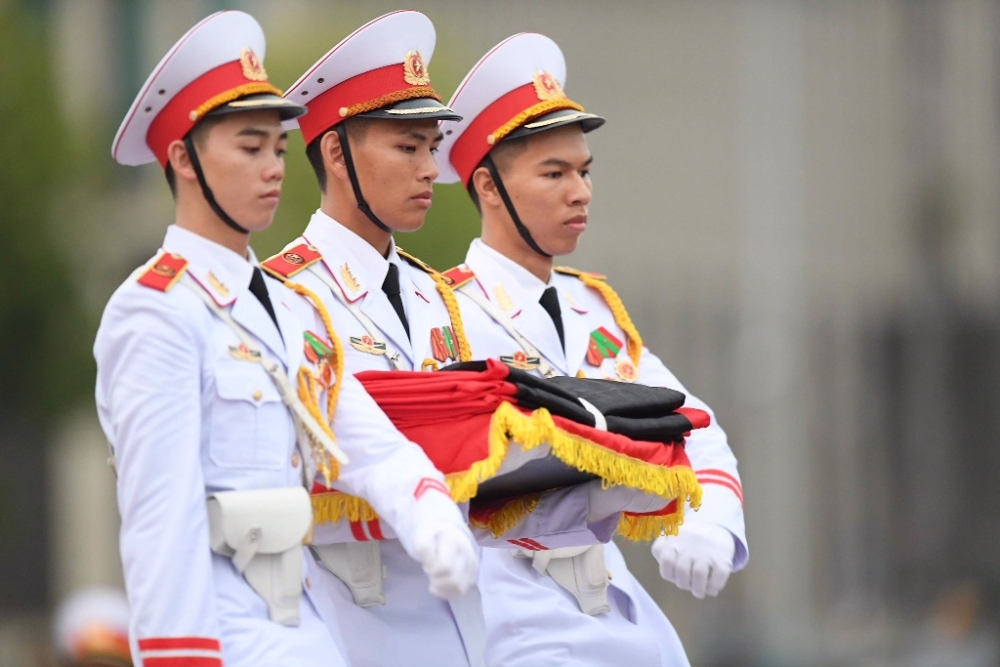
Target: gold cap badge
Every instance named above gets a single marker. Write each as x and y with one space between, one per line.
414 70
547 88
253 68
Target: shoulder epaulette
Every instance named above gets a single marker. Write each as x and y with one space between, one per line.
292 260
458 276
164 272
420 264
570 271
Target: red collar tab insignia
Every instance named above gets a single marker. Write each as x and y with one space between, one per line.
458 276
253 68
414 70
367 344
243 353
286 264
164 273
547 88
521 361
443 345
603 345
626 370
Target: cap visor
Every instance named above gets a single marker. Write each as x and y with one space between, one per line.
587 121
286 109
421 108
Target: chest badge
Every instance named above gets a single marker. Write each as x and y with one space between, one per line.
503 299
626 370
443 345
603 345
243 353
521 361
367 344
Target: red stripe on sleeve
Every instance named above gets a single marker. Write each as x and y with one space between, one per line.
719 473
174 643
180 661
538 546
720 482
523 545
375 528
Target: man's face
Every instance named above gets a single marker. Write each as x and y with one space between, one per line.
242 156
396 168
549 183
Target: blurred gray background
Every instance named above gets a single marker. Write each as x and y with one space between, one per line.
798 201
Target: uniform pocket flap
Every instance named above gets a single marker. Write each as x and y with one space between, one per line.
245 383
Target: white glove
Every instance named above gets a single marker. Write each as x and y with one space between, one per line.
698 559
445 551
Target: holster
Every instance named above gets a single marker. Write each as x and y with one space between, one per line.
262 530
358 565
578 570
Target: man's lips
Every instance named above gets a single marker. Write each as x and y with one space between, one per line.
577 223
424 199
272 196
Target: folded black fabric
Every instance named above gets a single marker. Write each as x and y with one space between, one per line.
633 410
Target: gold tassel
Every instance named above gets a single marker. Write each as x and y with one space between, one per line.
508 516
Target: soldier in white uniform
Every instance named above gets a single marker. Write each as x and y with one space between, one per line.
521 152
194 353
371 131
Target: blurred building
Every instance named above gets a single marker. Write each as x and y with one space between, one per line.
799 202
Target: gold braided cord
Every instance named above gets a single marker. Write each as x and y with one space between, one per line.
332 394
455 315
308 394
507 517
233 94
391 98
622 318
529 113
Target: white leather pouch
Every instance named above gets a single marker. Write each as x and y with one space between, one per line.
262 530
580 571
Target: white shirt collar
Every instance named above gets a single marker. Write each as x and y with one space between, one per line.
492 268
208 258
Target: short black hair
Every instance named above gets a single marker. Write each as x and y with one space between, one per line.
502 154
198 134
356 130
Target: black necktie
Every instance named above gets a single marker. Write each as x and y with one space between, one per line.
391 289
550 302
259 290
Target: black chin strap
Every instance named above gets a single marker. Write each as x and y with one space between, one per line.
521 229
207 191
345 148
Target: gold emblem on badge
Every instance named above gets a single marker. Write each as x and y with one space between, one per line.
349 280
367 344
547 88
414 70
294 258
164 270
503 299
217 284
626 370
521 361
253 68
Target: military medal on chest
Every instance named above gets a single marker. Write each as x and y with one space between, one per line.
603 345
320 354
443 345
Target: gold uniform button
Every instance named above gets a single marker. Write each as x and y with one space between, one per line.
295 460
257 395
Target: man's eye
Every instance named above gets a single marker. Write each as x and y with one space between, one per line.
281 152
409 149
585 173
553 174
435 149
252 150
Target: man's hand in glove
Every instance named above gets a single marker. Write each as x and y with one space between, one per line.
446 553
698 559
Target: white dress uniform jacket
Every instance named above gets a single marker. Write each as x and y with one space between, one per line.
187 415
530 619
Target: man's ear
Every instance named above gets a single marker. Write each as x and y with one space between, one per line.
486 188
180 160
333 155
